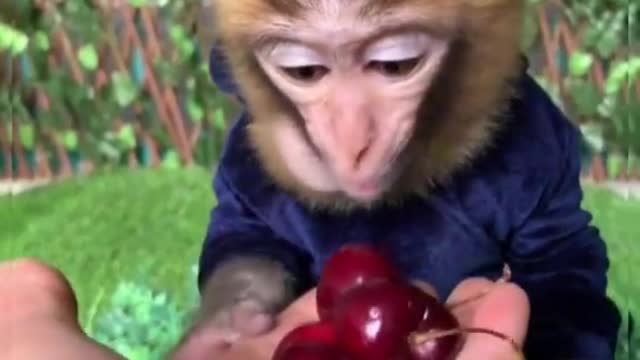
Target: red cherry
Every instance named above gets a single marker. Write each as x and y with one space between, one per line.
374 320
320 335
311 352
351 266
436 317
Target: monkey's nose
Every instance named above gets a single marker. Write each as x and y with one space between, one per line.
354 139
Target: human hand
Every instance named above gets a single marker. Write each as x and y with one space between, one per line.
501 307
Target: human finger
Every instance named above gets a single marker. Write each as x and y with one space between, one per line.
496 325
465 297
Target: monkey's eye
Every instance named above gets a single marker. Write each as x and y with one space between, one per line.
395 68
309 73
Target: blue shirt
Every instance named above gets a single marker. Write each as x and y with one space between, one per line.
519 203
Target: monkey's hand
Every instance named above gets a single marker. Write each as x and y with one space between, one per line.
241 299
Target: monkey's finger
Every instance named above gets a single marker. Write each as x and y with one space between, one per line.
248 318
205 343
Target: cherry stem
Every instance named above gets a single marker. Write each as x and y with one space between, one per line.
418 338
505 278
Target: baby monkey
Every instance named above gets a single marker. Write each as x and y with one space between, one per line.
409 124
335 89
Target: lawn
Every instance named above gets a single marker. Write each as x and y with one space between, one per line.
143 226
148 226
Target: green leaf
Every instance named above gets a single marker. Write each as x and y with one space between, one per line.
219 120
617 78
127 137
580 63
88 57
125 90
633 73
12 39
27 136
196 111
20 43
70 140
6 36
171 160
42 40
187 47
138 3
177 33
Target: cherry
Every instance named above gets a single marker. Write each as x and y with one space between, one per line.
305 338
436 318
311 352
349 267
374 320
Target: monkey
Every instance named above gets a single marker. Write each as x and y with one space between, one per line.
411 125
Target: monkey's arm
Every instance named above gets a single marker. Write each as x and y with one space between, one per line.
243 261
561 261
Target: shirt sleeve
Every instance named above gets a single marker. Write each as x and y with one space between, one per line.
561 261
235 230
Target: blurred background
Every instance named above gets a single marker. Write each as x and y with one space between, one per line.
110 129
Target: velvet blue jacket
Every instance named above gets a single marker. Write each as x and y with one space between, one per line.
520 203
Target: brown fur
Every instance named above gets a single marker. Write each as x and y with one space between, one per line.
457 119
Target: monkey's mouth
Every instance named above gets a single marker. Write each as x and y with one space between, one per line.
367 188
364 191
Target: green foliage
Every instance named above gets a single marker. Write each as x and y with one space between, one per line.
169 97
12 40
125 90
608 111
143 324
88 57
105 71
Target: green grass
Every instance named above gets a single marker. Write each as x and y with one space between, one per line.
148 226
619 222
142 226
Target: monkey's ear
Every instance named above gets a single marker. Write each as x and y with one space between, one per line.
221 72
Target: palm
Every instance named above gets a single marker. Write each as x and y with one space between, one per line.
486 312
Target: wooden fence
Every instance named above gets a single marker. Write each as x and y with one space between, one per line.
112 96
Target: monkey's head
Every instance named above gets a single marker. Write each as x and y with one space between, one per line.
360 102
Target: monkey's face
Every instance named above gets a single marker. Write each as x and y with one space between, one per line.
357 90
361 102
